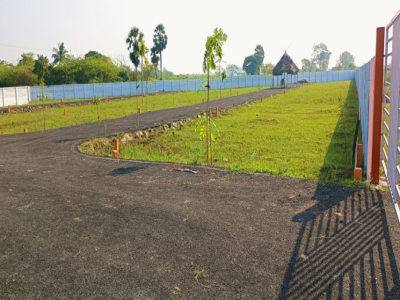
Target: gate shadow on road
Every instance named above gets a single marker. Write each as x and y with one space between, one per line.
343 250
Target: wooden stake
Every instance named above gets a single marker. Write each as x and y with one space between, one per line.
65 111
25 130
116 145
9 109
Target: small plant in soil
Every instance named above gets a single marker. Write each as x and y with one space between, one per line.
199 273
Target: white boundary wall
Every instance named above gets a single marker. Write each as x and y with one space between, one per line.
15 96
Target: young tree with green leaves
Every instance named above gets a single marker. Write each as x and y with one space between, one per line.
160 40
143 50
212 55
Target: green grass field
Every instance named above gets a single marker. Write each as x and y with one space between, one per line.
298 134
15 123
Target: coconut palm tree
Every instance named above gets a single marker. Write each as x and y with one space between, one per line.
133 40
213 50
160 41
59 53
154 59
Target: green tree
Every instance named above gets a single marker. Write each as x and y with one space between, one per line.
321 56
212 55
250 65
94 54
143 50
231 70
160 40
308 65
266 69
133 40
338 66
346 59
154 59
23 76
352 66
60 53
5 74
259 55
27 60
41 67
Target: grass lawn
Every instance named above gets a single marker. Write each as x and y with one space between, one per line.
298 134
15 123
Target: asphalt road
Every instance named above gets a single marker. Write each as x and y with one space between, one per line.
79 227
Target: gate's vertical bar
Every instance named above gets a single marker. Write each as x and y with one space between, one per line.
377 113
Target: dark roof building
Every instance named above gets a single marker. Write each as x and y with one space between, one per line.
285 65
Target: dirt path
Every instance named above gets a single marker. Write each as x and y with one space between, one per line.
80 227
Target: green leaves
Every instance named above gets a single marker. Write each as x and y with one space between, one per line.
252 64
214 49
60 53
133 40
143 50
223 76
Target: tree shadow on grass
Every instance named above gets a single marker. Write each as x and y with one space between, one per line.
343 250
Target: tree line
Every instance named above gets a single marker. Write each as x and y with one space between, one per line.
320 57
319 61
93 67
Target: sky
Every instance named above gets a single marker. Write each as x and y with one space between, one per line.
293 25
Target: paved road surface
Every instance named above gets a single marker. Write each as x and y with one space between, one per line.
80 227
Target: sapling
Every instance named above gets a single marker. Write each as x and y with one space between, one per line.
213 50
96 101
43 97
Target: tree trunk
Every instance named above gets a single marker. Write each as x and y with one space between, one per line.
208 117
137 103
161 63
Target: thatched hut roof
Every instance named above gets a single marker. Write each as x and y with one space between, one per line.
285 65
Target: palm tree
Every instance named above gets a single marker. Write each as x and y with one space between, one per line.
160 41
154 59
59 53
213 50
134 38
